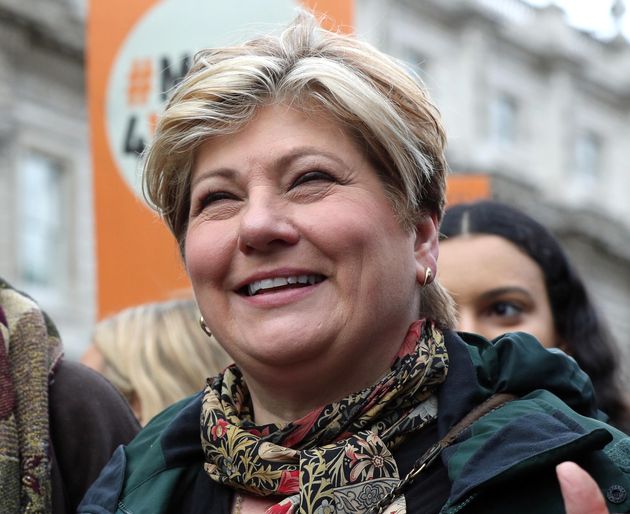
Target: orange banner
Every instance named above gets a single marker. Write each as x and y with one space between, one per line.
467 188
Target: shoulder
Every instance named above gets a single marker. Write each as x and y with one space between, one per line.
517 363
175 431
86 412
153 465
508 456
82 399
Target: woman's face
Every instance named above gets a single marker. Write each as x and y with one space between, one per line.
497 288
295 254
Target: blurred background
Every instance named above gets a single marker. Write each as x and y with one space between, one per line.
535 96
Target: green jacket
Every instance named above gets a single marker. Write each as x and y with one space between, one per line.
504 463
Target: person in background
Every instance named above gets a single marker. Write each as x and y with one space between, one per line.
303 176
155 354
508 273
59 421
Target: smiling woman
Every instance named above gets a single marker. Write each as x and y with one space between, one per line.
303 176
300 200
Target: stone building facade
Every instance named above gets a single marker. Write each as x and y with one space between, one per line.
541 107
46 243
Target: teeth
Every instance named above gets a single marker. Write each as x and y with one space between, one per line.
277 282
270 283
266 283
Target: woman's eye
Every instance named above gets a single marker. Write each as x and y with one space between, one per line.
215 205
312 176
505 309
212 198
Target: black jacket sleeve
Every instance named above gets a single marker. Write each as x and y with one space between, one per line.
89 418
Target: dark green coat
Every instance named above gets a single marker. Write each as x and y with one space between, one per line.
505 463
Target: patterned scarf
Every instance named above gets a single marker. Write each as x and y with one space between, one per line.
29 350
336 458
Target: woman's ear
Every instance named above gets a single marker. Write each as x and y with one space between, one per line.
426 249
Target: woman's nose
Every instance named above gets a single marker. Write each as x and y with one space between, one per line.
265 225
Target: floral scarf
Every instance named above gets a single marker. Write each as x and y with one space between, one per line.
336 458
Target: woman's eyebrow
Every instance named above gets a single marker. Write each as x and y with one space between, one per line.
307 151
499 291
227 173
283 161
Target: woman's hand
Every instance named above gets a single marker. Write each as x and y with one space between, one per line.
580 492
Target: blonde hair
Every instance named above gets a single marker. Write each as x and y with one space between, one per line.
158 353
384 108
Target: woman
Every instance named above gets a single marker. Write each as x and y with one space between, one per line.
508 273
303 176
155 354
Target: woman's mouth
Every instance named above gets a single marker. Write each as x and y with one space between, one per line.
267 285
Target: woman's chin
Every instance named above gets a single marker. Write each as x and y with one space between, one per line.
279 353
273 348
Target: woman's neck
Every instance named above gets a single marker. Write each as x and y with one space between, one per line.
284 394
283 402
279 411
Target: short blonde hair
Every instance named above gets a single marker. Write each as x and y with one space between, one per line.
382 106
158 353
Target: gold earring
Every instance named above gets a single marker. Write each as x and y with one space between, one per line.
204 327
427 277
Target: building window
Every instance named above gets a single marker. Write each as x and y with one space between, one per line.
588 157
42 240
503 118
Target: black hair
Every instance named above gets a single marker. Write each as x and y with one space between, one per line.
576 320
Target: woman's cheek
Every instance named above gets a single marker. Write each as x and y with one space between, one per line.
209 250
196 256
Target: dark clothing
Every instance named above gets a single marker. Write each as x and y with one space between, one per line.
88 420
505 462
426 496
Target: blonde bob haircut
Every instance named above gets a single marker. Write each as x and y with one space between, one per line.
381 105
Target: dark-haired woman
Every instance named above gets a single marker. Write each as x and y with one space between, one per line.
508 273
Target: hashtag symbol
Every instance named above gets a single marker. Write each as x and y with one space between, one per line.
139 81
